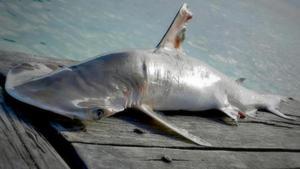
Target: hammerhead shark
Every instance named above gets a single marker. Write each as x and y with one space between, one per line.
153 80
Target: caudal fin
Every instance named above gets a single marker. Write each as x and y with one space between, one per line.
274 104
278 113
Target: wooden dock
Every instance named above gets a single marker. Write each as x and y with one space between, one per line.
31 138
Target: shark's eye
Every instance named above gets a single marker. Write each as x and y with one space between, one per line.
98 113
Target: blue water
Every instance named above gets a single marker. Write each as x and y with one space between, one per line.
255 39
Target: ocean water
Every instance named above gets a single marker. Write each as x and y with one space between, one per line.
255 39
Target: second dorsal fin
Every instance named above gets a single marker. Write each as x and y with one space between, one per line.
240 80
175 34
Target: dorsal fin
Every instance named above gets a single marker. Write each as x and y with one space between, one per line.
175 34
240 80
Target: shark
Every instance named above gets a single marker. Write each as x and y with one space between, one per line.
164 78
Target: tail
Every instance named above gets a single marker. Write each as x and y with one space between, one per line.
272 103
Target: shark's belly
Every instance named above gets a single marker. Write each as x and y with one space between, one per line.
192 100
194 89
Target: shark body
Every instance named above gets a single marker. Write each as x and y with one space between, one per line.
159 79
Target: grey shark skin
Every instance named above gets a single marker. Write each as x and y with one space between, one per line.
160 79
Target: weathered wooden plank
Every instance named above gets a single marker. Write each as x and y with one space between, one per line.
21 146
272 132
99 156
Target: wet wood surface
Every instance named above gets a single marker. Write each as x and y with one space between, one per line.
130 139
22 146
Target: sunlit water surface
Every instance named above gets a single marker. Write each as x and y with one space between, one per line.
255 39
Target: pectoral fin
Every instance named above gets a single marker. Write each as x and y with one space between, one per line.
232 115
252 113
147 110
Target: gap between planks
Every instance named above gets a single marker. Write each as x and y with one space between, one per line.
238 149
